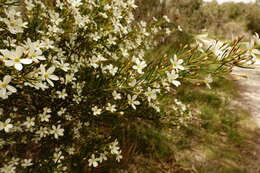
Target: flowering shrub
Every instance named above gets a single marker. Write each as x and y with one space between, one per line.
72 70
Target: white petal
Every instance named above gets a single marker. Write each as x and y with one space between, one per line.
54 77
137 103
1 126
176 83
7 79
3 91
11 88
5 52
50 82
9 63
19 51
256 51
18 66
41 58
51 70
42 68
8 121
26 61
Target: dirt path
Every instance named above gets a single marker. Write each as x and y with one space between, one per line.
250 92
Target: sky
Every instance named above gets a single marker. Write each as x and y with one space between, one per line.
222 1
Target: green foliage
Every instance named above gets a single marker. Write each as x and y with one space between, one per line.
215 142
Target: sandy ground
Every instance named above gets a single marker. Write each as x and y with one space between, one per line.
250 90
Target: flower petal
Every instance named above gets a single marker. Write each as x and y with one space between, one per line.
3 92
54 77
176 83
50 82
26 61
42 68
19 51
11 88
7 79
18 66
256 51
9 63
51 70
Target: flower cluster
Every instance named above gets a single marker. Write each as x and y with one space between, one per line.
70 71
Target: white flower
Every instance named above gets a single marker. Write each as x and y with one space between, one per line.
62 94
111 40
96 110
256 38
57 157
71 150
172 76
155 107
42 132
132 83
46 110
29 5
220 49
57 131
44 117
14 58
166 19
75 3
36 45
132 101
114 148
4 87
64 66
55 18
26 162
93 161
150 94
47 44
102 157
131 3
117 96
61 111
96 59
8 169
69 78
112 70
6 126
177 63
47 75
119 156
251 50
111 108
140 65
14 161
29 122
14 23
36 55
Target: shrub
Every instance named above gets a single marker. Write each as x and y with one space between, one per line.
74 73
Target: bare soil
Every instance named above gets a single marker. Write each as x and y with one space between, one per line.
250 100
